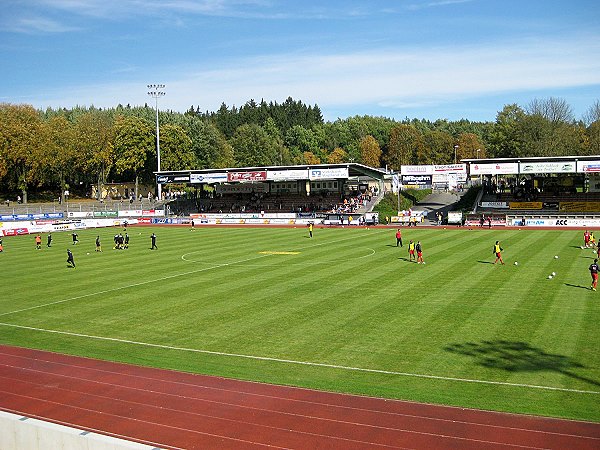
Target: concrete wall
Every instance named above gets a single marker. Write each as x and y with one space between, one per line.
24 433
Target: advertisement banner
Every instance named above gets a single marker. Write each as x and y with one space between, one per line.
416 170
579 206
259 175
40 216
496 205
559 223
287 175
153 212
208 178
421 181
105 213
547 167
525 205
450 168
588 166
494 169
328 174
179 178
455 217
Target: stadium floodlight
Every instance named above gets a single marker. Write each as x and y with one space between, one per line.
455 148
156 92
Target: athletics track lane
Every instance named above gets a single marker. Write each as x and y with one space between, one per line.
179 410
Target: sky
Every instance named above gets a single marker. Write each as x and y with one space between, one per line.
431 59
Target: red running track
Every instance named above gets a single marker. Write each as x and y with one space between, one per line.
171 409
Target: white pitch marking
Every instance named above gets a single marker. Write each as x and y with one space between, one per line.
305 363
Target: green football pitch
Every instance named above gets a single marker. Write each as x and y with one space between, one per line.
342 311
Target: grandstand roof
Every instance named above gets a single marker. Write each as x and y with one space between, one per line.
532 159
354 170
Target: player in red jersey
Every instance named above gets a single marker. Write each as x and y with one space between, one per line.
594 272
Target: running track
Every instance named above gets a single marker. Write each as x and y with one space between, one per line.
171 409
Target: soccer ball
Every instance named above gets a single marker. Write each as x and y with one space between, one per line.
516 263
88 253
549 277
555 256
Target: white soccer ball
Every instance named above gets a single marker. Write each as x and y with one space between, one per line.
516 263
88 253
555 256
553 274
549 277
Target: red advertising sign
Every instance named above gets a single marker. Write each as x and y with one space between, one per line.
247 176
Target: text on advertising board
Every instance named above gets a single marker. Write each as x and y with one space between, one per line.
247 176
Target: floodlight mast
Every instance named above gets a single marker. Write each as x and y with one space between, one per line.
156 92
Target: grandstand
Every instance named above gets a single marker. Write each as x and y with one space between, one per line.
537 188
323 188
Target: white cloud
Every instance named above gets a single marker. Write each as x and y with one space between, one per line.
394 78
35 25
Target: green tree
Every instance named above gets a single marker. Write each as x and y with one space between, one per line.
133 142
438 148
252 146
505 140
176 149
593 138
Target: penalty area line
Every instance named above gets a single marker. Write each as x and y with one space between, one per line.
304 363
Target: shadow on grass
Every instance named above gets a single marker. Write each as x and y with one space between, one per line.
485 262
576 286
407 260
513 356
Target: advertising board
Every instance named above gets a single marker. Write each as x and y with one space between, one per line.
588 166
258 175
208 178
547 167
287 175
328 174
494 169
178 178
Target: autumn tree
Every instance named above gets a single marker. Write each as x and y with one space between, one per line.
94 137
133 142
404 144
21 131
56 157
370 152
469 146
337 156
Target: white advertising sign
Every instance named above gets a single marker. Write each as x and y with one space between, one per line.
559 223
496 205
287 175
494 168
588 166
450 168
547 167
416 170
208 178
328 174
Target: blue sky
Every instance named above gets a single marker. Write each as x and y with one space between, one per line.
433 59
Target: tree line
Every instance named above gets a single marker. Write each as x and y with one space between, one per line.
53 149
